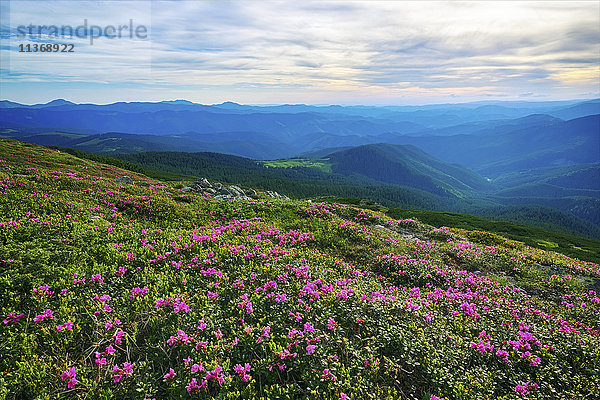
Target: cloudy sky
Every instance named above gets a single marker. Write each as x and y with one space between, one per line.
268 52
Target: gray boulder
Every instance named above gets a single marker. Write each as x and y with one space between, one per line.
125 180
276 195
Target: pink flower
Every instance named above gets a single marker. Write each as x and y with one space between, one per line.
535 361
310 349
117 336
12 318
238 369
524 389
328 375
193 385
197 368
48 314
127 368
70 375
67 325
331 324
170 375
72 382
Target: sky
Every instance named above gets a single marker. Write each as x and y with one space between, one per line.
312 52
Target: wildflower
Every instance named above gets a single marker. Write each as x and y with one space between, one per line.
197 368
535 361
12 318
328 375
503 354
67 325
331 324
308 327
48 314
117 336
310 348
193 385
70 374
138 292
243 371
524 389
170 375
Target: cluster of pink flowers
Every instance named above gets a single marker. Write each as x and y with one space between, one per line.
100 359
328 375
70 375
243 371
524 389
43 291
48 314
12 318
67 325
181 338
138 292
122 372
484 344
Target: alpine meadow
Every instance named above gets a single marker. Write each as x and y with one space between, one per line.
320 200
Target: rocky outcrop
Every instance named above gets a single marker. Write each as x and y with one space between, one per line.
125 180
276 195
219 191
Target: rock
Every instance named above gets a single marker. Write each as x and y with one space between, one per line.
203 183
94 218
250 192
142 183
186 189
124 179
276 195
217 186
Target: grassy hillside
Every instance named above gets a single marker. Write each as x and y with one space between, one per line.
304 178
142 291
575 246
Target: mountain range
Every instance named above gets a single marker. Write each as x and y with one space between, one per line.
472 157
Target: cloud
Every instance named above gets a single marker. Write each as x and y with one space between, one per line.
320 51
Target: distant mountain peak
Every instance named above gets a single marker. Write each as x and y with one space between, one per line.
229 104
178 101
58 102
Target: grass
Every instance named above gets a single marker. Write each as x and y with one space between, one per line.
116 291
574 246
322 164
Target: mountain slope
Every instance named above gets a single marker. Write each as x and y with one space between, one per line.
126 291
407 166
575 141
